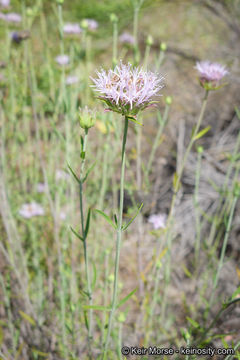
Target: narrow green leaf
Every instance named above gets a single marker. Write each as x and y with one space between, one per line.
186 271
115 219
88 172
215 187
201 133
193 131
107 218
40 353
236 292
73 173
97 307
176 182
82 142
126 298
83 153
133 218
1 336
76 234
27 317
134 120
237 112
193 322
70 330
87 223
86 319
85 293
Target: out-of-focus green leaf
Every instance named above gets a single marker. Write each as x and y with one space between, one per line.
107 218
27 317
202 133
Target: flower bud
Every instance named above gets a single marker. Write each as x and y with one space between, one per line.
200 149
29 12
163 46
84 24
168 100
121 317
87 118
113 18
111 277
59 2
149 40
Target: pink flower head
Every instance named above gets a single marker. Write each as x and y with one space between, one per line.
92 24
158 220
126 38
210 74
41 187
71 80
127 89
62 60
13 18
5 3
70 28
32 209
62 175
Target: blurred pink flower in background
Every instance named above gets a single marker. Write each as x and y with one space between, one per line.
13 18
32 209
71 80
62 60
92 24
211 73
127 89
62 215
41 187
61 175
72 28
5 3
158 220
126 38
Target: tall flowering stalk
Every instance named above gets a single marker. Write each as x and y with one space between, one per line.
127 91
86 121
210 76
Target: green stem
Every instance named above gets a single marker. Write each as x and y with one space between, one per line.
146 56
196 205
170 216
115 41
157 138
118 242
89 289
220 264
179 175
137 7
219 214
160 60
